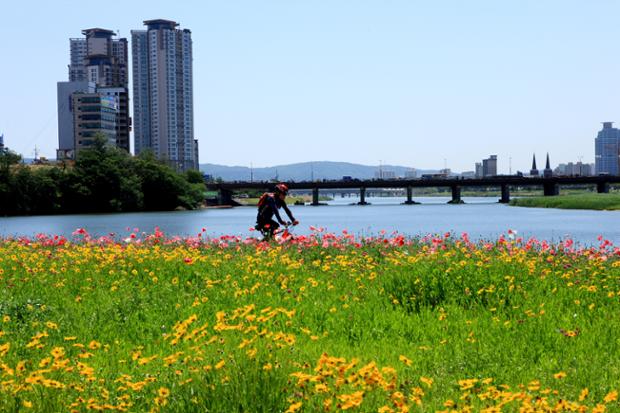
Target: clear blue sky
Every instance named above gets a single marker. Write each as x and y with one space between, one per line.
399 81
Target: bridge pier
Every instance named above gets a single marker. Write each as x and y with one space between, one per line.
505 194
456 195
409 200
315 197
362 197
551 189
602 187
224 197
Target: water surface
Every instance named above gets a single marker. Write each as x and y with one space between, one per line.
479 217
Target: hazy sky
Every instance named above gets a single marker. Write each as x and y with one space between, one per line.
415 83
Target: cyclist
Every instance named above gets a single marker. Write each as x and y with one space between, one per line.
268 206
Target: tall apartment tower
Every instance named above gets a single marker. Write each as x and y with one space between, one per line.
163 107
607 150
101 61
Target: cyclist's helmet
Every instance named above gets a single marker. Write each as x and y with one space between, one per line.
282 188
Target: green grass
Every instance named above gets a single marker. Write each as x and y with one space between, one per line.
607 202
454 311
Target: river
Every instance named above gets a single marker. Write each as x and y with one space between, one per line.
481 218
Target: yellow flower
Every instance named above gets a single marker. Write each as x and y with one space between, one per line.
4 348
27 404
427 381
559 375
293 407
94 345
220 364
467 384
321 388
583 394
163 392
57 352
6 319
351 400
267 367
51 325
612 396
405 360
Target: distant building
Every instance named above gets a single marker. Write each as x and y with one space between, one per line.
607 150
383 174
478 170
468 174
411 173
163 104
548 172
93 113
534 170
489 166
574 169
66 129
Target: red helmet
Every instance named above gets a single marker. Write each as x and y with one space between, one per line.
282 188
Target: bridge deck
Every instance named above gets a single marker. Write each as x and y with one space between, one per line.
420 183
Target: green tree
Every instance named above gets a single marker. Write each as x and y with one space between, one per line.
104 180
165 189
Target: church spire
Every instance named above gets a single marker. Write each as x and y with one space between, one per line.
534 170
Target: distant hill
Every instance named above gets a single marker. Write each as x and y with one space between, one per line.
303 171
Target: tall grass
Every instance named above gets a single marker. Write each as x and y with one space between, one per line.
581 201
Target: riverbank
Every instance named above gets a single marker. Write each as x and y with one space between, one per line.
599 202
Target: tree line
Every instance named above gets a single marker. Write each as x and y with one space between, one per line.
103 179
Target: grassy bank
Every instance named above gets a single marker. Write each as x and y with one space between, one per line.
581 201
326 323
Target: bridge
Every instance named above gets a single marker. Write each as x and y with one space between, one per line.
550 186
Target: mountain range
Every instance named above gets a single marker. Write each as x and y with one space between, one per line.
305 171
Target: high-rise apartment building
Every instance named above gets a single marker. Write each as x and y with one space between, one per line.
98 64
163 93
607 150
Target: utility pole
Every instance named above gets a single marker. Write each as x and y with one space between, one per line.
510 165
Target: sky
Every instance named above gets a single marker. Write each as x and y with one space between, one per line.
405 82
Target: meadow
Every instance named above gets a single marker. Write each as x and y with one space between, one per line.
326 322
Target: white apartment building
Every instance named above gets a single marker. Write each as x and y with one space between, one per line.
163 93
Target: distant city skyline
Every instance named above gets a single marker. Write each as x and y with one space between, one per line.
422 85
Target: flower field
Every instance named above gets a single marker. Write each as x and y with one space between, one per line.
321 323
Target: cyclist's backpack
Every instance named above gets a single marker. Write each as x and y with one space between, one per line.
263 199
